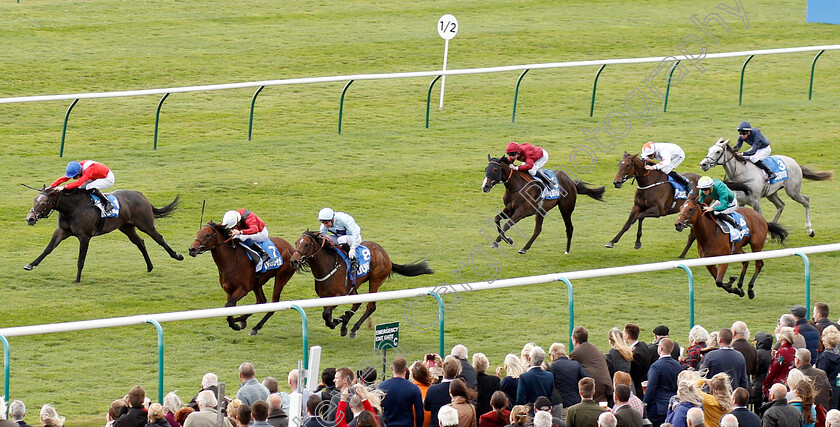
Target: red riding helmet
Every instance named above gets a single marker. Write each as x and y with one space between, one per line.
512 147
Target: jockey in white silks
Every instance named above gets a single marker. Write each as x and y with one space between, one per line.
343 231
670 156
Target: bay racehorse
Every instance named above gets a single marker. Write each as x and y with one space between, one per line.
742 171
78 217
315 252
712 242
522 199
237 274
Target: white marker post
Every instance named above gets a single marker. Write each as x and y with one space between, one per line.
447 28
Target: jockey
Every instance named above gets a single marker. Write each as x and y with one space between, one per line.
533 158
724 199
248 228
344 231
760 147
670 156
89 175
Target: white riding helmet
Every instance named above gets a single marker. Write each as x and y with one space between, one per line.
705 182
648 149
326 214
231 219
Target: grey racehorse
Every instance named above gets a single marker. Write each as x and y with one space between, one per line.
740 170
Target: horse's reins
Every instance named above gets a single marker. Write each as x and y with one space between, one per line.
39 214
205 248
306 258
504 180
647 172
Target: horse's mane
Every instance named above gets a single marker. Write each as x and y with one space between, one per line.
317 236
503 159
221 229
732 150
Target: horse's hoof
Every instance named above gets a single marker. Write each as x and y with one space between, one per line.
811 234
235 327
28 267
253 332
638 245
494 245
566 253
751 294
149 269
509 241
344 331
609 245
719 284
179 257
352 334
523 251
740 292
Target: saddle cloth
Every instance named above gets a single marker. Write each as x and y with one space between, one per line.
275 260
362 256
113 213
680 192
778 167
734 235
552 192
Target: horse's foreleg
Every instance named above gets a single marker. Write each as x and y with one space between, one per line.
153 233
538 223
780 205
516 217
758 264
84 242
233 298
721 273
504 214
634 215
131 231
328 319
58 236
638 244
345 318
688 244
371 307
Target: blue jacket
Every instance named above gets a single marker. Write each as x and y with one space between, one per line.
532 384
730 361
662 384
677 417
746 418
251 391
811 335
403 403
567 374
755 139
436 397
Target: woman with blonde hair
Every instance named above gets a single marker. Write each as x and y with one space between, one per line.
525 354
620 355
171 404
688 396
795 376
718 401
50 417
519 416
803 400
157 418
510 382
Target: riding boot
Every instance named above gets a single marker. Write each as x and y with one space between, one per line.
354 266
681 179
770 175
105 203
544 176
727 218
258 249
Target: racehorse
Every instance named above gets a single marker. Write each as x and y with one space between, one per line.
237 274
522 199
317 253
654 196
712 242
742 171
78 217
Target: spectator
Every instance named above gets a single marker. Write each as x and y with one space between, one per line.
740 336
606 419
635 402
782 360
403 403
566 373
832 418
764 354
208 414
585 413
136 416
641 357
592 361
313 412
438 395
740 399
803 400
468 372
343 380
421 377
777 412
277 417
499 416
535 382
357 398
525 354
367 418
250 390
118 407
543 404
328 380
233 411
790 321
271 384
182 414
662 383
626 416
513 369
292 381
806 330
171 404
243 416
462 397
157 417
620 356
829 362
728 420
793 379
718 400
821 321
822 388
659 333
259 412
695 418
448 417
366 377
688 396
697 338
543 418
711 344
17 412
3 421
486 385
50 417
726 359
519 416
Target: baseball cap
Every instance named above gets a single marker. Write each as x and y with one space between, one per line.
542 404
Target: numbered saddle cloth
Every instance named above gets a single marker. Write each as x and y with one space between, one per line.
275 260
362 256
680 192
778 167
113 213
552 192
735 235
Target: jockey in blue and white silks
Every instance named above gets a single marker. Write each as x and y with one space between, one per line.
342 228
760 146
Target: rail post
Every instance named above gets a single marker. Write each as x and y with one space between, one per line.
807 278
668 87
6 363
813 64
305 332
690 294
440 320
157 117
64 129
594 88
429 98
516 94
571 309
251 119
741 90
160 356
341 105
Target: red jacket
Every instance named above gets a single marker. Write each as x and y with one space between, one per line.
780 366
90 170
250 222
532 153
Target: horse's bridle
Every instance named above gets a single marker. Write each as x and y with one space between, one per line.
202 248
51 204
304 259
716 162
625 177
503 180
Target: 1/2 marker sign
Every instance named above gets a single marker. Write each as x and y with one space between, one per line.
447 27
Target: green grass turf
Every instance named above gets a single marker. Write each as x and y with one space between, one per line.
414 190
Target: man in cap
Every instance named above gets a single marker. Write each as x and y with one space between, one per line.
659 333
808 331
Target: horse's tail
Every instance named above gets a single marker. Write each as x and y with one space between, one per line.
777 231
738 186
596 193
411 270
166 210
816 176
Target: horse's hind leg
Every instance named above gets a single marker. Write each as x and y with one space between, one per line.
149 228
130 231
280 281
758 264
799 197
780 205
741 277
58 236
84 242
570 229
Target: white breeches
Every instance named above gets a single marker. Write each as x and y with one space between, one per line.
728 210
346 240
539 164
101 183
759 155
258 237
676 159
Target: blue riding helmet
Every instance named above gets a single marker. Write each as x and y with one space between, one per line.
745 125
73 168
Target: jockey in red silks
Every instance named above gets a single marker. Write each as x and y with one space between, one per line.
89 175
248 228
533 158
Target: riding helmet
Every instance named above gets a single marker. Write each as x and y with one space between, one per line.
231 219
326 214
512 147
648 149
73 168
705 182
745 125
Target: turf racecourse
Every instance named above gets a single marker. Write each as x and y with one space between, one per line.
414 190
